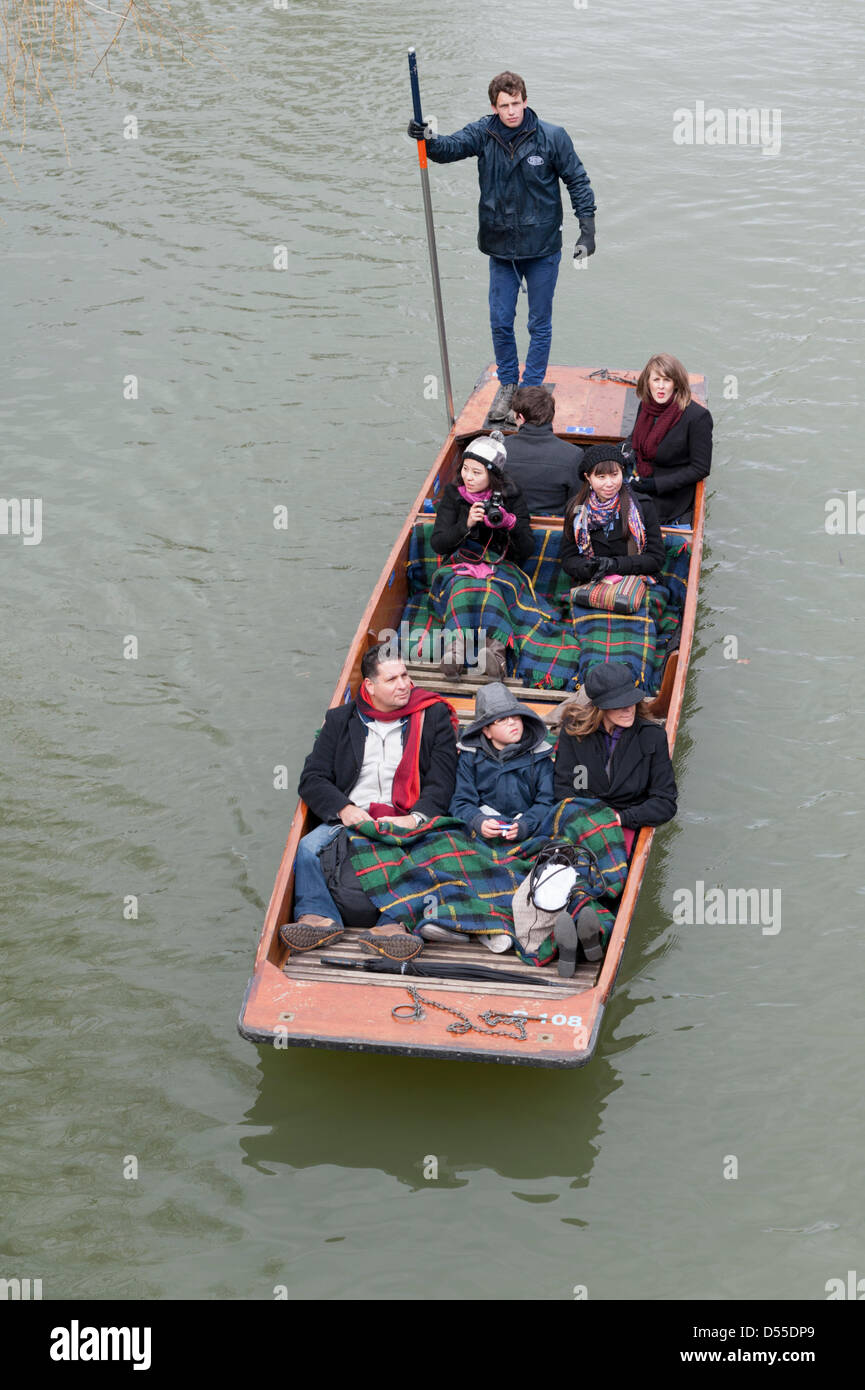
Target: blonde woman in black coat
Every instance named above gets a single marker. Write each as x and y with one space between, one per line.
671 442
609 748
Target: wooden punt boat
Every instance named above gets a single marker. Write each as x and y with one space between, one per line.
306 1003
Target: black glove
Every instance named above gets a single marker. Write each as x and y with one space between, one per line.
604 565
646 485
586 244
419 130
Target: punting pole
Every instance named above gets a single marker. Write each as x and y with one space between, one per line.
431 239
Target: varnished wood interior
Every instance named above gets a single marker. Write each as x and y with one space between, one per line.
538 984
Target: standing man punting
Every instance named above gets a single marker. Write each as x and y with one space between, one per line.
520 163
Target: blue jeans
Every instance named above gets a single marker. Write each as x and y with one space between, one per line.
310 889
541 274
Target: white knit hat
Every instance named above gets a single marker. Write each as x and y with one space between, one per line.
488 450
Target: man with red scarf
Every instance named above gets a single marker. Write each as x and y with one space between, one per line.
389 755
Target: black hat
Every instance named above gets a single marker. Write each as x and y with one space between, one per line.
611 686
600 453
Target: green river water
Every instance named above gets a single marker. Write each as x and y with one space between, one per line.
152 257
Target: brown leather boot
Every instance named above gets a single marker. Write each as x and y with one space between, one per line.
493 660
402 947
453 662
309 932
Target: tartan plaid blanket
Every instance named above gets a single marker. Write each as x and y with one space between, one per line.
560 655
504 606
548 648
437 873
542 567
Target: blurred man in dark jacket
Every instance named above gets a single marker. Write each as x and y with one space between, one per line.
545 468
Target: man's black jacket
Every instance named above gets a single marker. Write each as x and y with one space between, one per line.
334 764
520 206
544 468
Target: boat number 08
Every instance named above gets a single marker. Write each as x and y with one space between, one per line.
575 1021
560 1020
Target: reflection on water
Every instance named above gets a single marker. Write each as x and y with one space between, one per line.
365 1112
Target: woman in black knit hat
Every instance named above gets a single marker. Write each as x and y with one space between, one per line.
609 533
606 529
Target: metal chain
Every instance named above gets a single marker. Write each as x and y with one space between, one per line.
604 374
464 1024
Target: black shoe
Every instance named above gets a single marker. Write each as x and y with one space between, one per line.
590 933
565 935
501 406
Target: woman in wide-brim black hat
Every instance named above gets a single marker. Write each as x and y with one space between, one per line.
610 748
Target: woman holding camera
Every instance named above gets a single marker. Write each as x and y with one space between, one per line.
483 532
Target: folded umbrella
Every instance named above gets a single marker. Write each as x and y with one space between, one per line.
440 971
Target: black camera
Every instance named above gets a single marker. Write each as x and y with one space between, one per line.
494 509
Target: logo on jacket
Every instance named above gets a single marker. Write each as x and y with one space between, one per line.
535 159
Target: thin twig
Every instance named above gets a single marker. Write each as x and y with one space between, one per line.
37 34
129 9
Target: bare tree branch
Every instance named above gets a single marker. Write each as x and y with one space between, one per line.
39 36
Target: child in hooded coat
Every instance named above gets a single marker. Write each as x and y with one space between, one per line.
504 787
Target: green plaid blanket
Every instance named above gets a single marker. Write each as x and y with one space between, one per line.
437 873
548 648
557 655
504 606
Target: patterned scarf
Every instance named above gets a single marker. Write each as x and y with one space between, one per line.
406 782
594 514
653 422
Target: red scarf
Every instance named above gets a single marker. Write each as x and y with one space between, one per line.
406 782
653 422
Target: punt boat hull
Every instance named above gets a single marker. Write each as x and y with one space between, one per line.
307 1003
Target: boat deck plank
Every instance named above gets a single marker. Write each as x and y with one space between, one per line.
590 402
311 967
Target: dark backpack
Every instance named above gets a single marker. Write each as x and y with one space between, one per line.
355 908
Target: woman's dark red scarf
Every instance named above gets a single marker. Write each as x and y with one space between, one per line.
406 782
653 422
